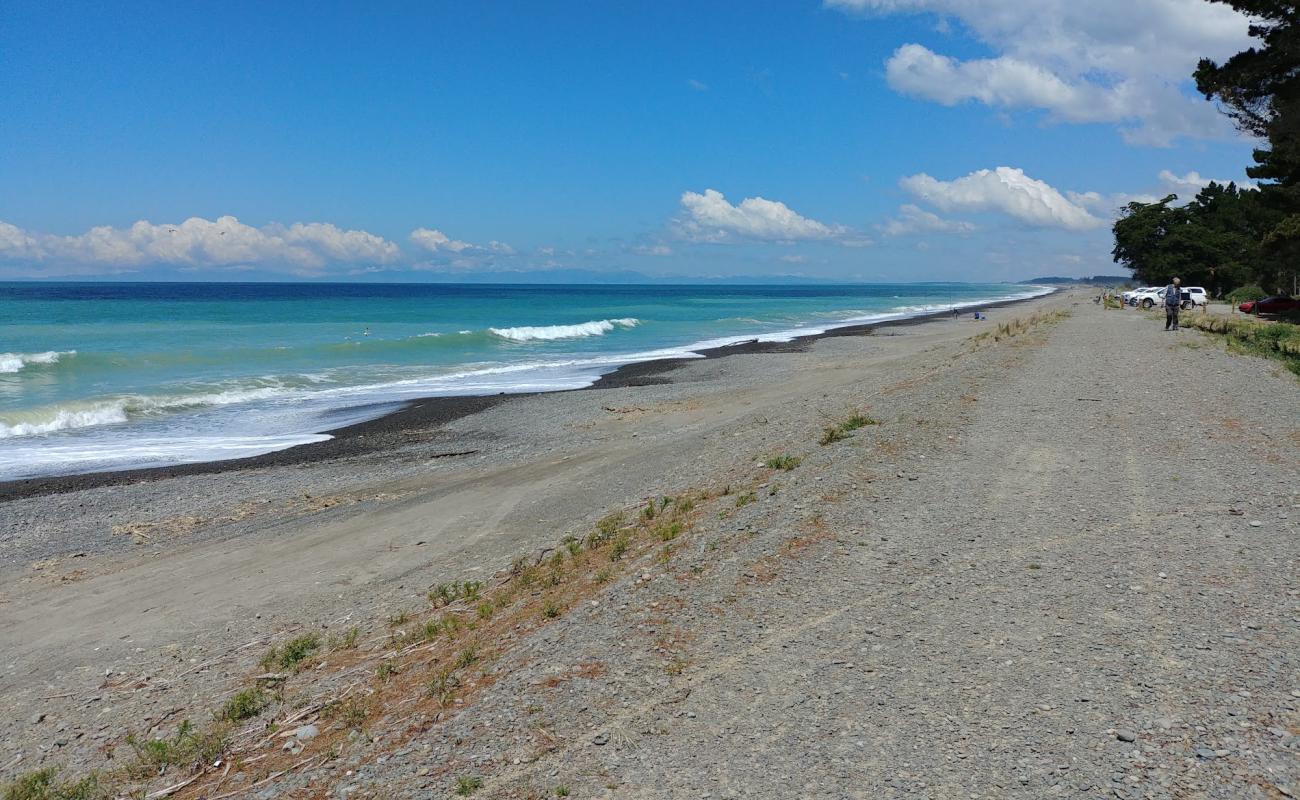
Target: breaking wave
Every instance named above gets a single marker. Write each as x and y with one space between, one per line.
552 332
16 362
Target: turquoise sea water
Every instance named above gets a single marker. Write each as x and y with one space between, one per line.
109 376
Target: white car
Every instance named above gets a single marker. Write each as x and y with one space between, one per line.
1195 296
1148 297
1127 296
1192 296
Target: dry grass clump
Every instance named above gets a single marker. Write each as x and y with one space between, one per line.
1021 325
1279 340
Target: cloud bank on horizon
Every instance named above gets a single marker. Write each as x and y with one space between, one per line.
1000 139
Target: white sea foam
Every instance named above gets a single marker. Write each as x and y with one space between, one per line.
114 411
551 332
15 362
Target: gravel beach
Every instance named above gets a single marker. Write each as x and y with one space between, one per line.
1010 581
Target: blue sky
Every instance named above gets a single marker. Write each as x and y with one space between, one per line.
887 139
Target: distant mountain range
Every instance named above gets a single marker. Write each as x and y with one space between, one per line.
1106 280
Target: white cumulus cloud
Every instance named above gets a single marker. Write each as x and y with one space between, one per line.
1006 190
1127 62
709 217
914 219
198 242
1193 182
435 240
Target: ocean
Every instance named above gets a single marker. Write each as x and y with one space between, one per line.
101 376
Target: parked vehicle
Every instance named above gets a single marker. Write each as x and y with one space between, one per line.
1189 297
1149 297
1277 304
1195 296
1127 296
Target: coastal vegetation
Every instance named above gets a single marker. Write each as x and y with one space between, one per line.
1231 236
1277 340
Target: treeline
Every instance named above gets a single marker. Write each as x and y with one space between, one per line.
1228 237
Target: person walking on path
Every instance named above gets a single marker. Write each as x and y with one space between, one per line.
1173 298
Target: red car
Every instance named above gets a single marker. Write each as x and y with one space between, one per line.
1278 304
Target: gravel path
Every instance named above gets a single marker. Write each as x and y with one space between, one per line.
1028 593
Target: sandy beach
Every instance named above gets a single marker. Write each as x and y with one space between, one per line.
1007 584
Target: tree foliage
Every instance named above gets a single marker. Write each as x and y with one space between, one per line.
1215 241
1229 237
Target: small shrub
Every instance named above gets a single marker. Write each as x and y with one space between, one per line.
648 513
619 548
486 610
292 653
561 791
470 590
1246 293
466 786
784 462
246 703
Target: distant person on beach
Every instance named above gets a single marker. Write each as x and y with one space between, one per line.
1173 298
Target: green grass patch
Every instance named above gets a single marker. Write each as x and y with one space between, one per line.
246 704
783 461
292 653
43 784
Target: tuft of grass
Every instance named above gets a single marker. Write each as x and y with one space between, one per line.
619 548
43 784
442 686
561 791
783 461
486 610
352 712
856 420
745 499
347 641
551 609
188 748
399 619
648 513
669 530
466 657
385 670
467 785
831 435
246 703
430 630
292 653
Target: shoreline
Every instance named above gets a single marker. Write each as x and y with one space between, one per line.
423 414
